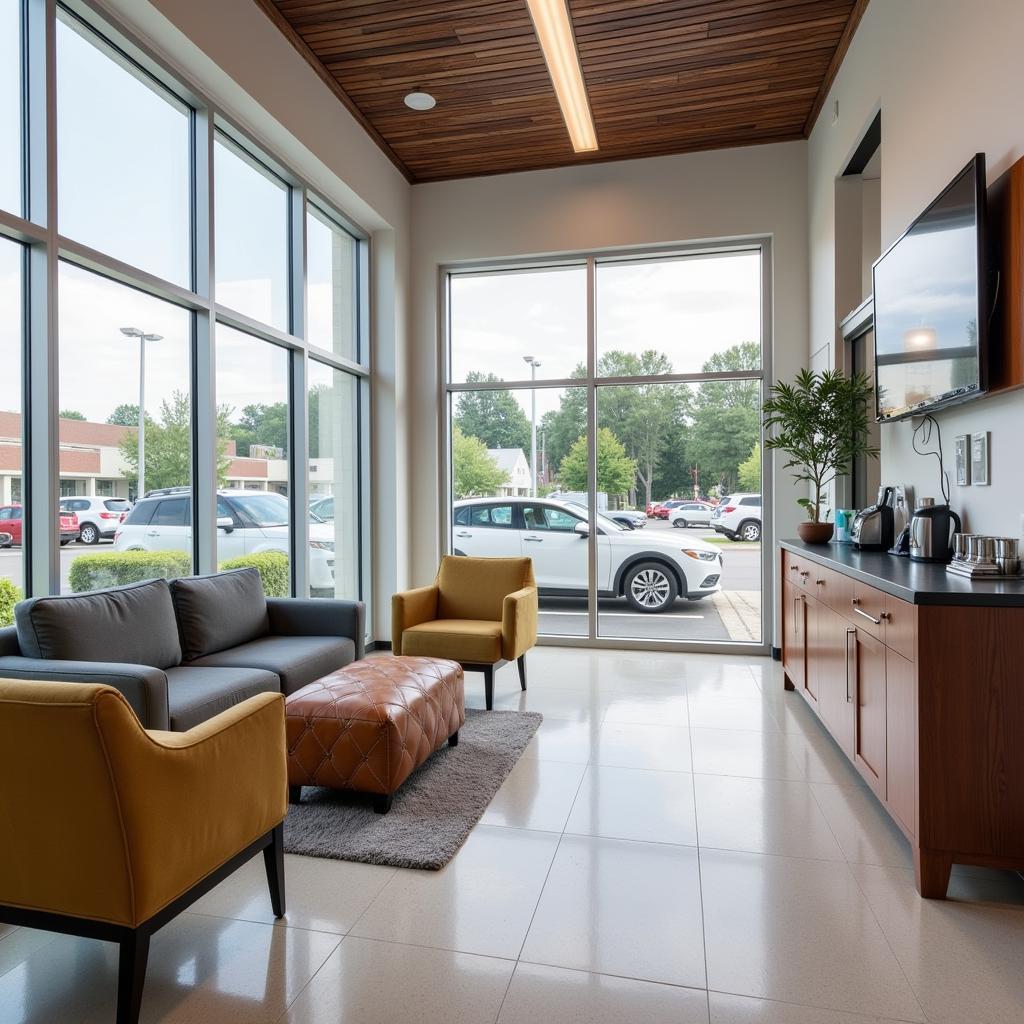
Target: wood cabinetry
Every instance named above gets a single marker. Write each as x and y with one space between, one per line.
927 701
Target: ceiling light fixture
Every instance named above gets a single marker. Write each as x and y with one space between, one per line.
419 100
554 30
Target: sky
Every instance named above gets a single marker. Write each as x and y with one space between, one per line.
689 308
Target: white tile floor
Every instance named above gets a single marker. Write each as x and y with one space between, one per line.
681 843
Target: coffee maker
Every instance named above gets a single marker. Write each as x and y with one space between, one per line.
874 527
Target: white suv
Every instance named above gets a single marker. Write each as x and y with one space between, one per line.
248 522
738 517
649 571
97 517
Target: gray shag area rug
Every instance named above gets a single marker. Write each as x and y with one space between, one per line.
432 813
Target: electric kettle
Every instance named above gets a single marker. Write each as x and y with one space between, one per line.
931 532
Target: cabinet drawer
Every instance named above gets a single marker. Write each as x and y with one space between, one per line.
901 627
867 609
831 588
797 570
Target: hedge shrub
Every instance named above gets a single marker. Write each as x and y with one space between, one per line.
272 567
10 595
116 568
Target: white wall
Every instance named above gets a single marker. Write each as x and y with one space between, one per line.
728 193
232 52
948 77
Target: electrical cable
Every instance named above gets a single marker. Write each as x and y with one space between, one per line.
925 429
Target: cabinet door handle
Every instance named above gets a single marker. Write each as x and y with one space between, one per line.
819 583
849 632
856 601
804 575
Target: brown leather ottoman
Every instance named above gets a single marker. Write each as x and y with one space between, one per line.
370 725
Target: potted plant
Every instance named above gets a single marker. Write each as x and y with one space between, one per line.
821 422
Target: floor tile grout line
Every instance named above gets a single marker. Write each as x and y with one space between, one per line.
700 873
312 978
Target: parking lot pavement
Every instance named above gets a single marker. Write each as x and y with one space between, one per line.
688 620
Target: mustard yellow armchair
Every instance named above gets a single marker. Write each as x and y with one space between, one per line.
480 612
111 831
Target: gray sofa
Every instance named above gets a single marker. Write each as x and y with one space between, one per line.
182 652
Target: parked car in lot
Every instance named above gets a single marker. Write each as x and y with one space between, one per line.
11 522
624 517
691 513
323 508
649 571
248 522
98 518
664 510
628 518
738 517
652 509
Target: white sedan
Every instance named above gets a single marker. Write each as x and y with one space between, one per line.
691 513
650 571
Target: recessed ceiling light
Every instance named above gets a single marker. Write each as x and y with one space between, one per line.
418 100
554 30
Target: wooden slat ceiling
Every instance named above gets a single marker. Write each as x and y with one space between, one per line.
663 76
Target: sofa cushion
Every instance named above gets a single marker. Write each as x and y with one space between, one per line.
465 640
298 660
219 611
196 694
133 625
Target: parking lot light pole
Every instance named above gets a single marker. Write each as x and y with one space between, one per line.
533 363
134 332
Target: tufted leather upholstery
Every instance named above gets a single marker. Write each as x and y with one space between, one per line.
370 725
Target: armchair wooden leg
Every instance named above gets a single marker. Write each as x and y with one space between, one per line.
489 687
453 740
295 794
273 860
382 803
521 662
131 975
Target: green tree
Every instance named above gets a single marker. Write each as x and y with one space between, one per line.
646 417
71 414
726 418
616 471
125 415
263 425
475 472
494 417
750 471
169 445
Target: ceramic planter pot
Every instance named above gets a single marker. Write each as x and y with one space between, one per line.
816 533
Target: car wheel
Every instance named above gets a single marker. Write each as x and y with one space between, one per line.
750 531
650 587
89 534
681 523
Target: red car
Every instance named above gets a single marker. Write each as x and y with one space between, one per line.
663 510
10 522
652 509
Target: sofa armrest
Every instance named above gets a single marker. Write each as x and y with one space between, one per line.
518 622
204 794
410 608
144 687
294 616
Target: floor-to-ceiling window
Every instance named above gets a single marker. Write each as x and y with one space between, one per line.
222 395
580 396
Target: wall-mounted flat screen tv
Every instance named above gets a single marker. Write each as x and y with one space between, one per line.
930 299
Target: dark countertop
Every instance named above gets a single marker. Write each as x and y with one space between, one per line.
915 582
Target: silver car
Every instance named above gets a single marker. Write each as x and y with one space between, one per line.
692 513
